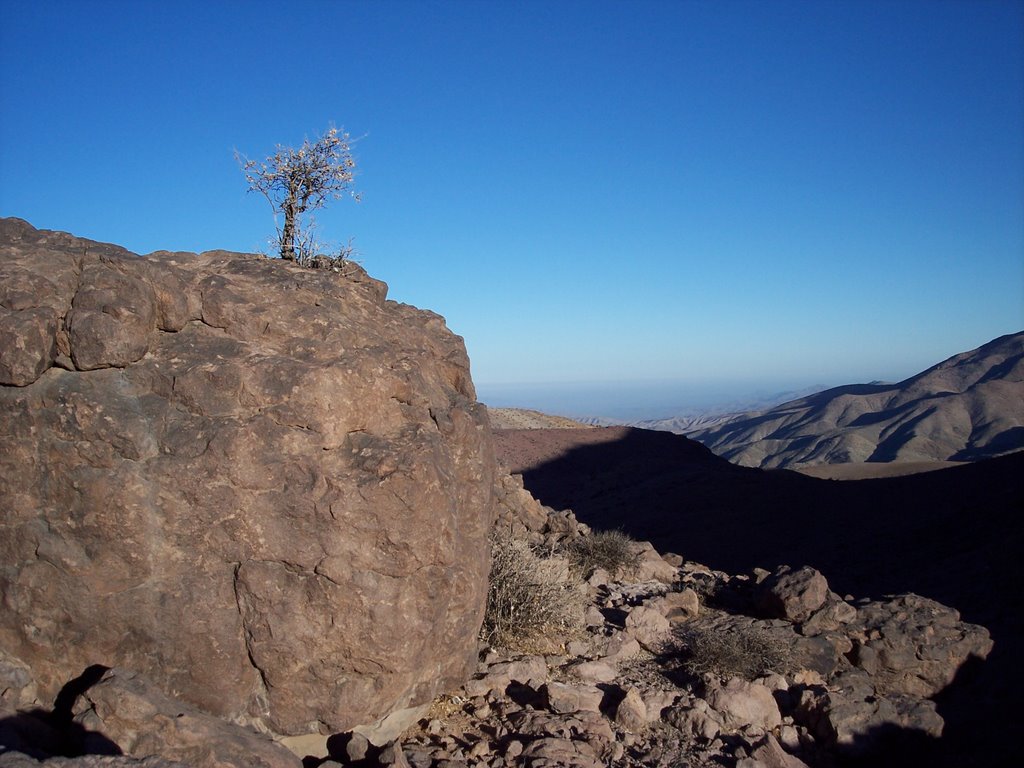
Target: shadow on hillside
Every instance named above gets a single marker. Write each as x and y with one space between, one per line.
954 535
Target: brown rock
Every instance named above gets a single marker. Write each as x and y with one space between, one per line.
677 606
745 705
616 648
30 344
912 645
551 752
856 719
143 721
516 508
17 686
631 712
792 595
649 627
651 565
770 754
594 671
573 698
276 502
694 719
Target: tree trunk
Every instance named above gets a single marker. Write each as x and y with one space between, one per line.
288 232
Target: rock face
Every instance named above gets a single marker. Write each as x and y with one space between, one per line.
265 488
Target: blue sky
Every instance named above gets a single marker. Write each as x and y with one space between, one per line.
701 198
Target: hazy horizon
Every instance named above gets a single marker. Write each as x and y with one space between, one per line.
639 400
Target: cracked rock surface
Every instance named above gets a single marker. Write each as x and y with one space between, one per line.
266 488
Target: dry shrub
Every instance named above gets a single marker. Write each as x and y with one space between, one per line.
533 601
747 653
614 551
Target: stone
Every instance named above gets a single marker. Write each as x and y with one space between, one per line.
676 561
656 701
500 674
516 507
695 719
745 705
143 721
912 645
855 719
357 747
389 728
17 686
650 628
833 616
293 468
651 565
677 606
392 755
792 595
559 752
631 713
594 671
308 744
770 754
565 698
617 647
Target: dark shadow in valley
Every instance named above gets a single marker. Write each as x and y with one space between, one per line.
955 535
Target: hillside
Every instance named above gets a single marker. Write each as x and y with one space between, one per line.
966 408
521 418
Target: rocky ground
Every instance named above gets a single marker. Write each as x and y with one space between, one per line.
674 664
680 665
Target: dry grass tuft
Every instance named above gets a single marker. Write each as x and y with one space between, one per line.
614 551
533 601
748 654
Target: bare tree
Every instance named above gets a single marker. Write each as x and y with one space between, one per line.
300 180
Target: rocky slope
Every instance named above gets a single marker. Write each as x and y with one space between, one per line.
520 418
265 489
951 535
673 664
968 407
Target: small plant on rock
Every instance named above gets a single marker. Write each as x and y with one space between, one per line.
614 551
533 602
749 653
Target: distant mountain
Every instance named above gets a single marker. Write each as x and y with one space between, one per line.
968 407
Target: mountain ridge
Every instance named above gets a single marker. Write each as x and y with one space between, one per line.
967 407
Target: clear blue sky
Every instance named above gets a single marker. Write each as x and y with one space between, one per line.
693 194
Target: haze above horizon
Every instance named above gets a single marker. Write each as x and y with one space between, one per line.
683 199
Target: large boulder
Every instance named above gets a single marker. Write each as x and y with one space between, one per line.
266 488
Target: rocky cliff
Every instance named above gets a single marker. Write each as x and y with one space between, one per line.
267 489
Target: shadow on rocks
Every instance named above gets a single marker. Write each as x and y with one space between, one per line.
42 733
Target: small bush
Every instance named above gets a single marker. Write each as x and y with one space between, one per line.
614 551
748 653
533 602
